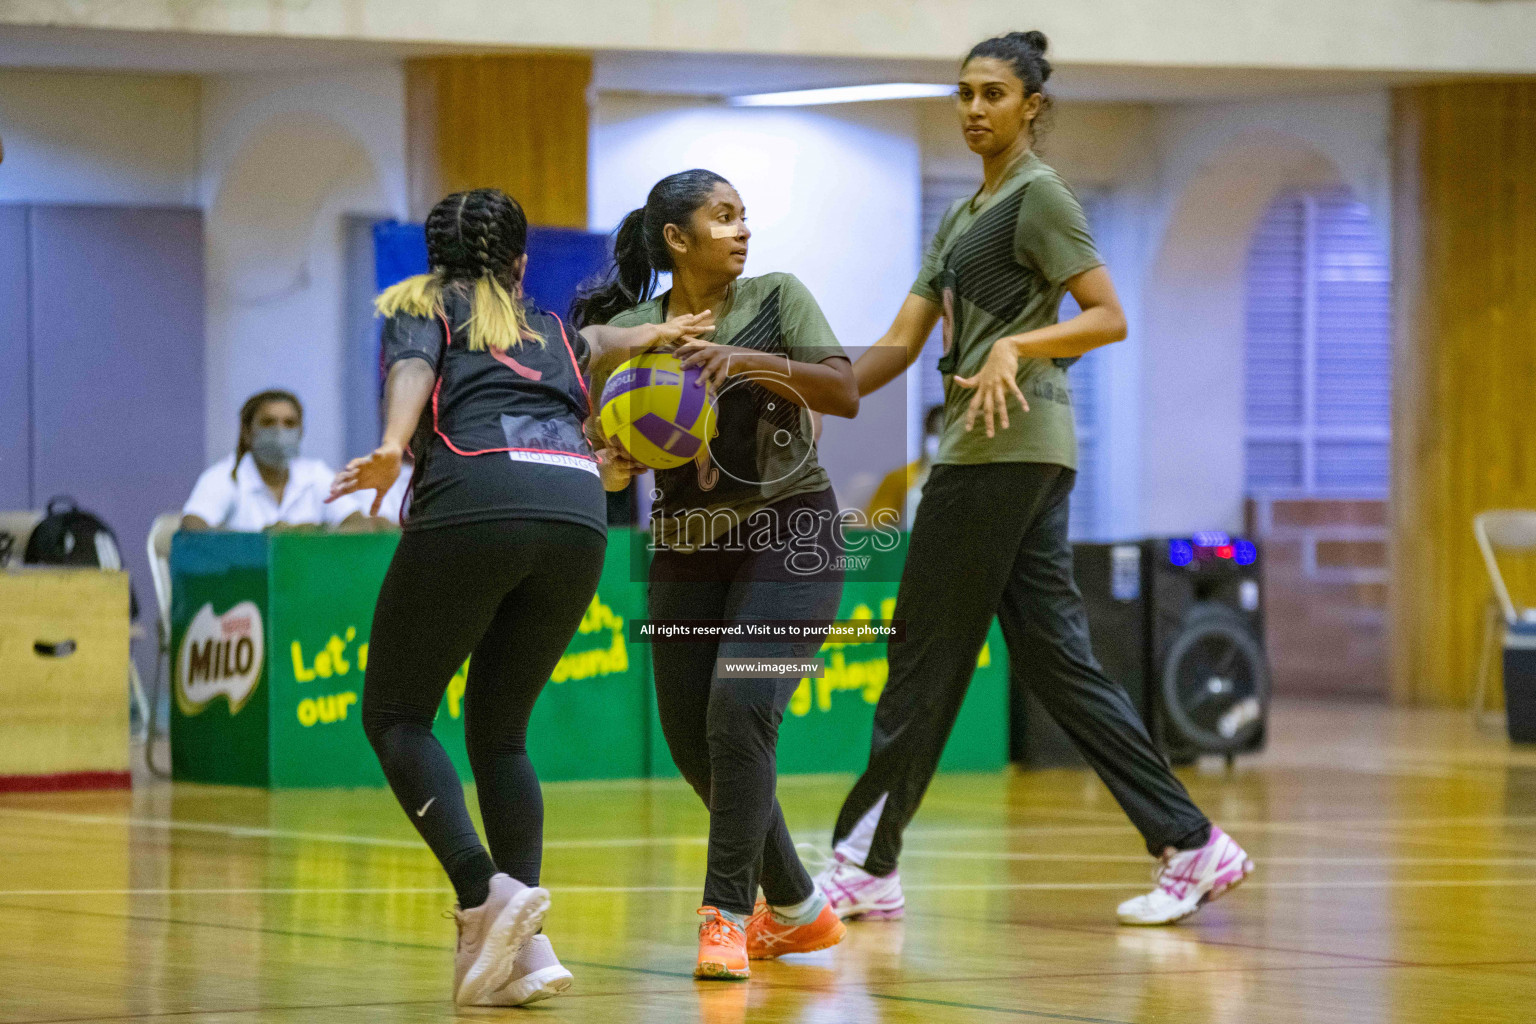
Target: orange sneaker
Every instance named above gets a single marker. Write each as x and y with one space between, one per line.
722 948
768 937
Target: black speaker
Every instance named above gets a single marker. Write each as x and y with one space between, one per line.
1205 632
1179 623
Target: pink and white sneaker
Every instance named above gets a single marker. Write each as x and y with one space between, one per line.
1188 879
853 892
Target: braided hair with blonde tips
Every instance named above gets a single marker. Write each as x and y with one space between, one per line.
474 240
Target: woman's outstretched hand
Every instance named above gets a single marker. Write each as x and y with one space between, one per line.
998 377
685 328
376 471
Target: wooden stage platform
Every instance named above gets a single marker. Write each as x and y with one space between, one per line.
1396 882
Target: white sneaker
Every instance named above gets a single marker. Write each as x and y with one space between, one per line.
1187 880
855 893
536 975
491 935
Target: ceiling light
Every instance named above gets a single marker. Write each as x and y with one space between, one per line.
843 94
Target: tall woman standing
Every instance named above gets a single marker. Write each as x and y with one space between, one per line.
990 537
499 557
747 532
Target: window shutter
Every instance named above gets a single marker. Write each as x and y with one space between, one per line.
1353 362
1317 349
1276 316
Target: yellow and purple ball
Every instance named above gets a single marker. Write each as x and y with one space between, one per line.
658 410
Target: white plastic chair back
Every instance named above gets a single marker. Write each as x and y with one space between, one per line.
19 525
1504 530
158 547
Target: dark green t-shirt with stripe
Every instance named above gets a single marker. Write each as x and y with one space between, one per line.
764 449
1000 268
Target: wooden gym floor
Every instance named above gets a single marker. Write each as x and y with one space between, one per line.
1396 882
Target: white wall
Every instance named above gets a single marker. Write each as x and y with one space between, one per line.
1186 185
284 159
1218 167
75 137
276 161
832 196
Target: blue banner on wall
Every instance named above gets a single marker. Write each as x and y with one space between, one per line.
559 259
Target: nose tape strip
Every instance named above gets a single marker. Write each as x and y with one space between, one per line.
724 231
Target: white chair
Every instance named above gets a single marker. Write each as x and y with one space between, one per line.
1501 530
19 525
158 547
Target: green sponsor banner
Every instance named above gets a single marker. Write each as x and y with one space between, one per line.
302 727
323 591
219 648
827 725
270 638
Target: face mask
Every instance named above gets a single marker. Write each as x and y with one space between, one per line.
275 447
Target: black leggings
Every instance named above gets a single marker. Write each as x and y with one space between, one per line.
508 595
992 539
724 733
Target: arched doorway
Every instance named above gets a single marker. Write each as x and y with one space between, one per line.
1203 373
276 244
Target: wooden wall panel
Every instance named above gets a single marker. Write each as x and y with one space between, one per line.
1464 384
517 123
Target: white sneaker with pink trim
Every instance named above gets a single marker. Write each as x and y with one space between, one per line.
1188 879
854 892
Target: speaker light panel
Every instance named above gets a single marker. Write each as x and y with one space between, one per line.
1211 546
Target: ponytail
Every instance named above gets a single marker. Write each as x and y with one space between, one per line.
640 248
630 281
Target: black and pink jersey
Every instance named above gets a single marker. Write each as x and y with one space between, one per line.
502 435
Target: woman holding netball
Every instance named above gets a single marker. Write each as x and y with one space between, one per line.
499 557
990 536
746 532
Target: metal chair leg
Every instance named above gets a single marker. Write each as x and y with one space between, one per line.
136 688
1491 619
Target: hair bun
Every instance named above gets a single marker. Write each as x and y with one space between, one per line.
1024 52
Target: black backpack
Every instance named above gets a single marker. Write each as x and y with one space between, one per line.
69 535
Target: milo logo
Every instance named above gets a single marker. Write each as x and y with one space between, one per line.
220 655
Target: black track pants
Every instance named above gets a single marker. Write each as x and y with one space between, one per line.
723 733
992 540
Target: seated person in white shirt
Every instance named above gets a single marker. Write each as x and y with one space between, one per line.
266 483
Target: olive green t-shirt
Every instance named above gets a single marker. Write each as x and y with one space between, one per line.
1001 269
764 449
